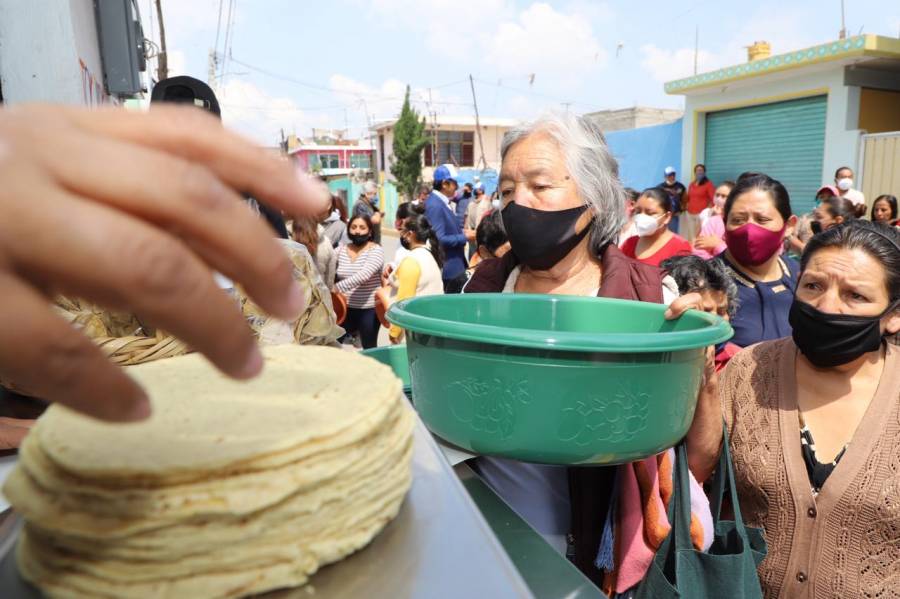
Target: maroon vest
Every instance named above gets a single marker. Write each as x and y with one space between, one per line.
590 488
623 277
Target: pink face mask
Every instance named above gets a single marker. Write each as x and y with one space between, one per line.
751 244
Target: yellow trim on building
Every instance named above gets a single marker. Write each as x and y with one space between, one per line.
808 93
858 46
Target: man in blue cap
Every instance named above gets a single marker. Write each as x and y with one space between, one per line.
675 190
446 226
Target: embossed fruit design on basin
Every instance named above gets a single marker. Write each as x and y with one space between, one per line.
555 379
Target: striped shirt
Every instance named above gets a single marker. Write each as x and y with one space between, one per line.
359 279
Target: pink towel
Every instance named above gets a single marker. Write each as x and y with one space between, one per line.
645 488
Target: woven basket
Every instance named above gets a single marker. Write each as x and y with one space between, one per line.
127 341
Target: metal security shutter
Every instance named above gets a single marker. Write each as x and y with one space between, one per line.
785 140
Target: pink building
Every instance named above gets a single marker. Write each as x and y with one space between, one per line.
334 159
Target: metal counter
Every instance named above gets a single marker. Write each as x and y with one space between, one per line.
453 538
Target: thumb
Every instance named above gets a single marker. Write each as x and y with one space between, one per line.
13 431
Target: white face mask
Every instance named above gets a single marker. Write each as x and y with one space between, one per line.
845 183
645 224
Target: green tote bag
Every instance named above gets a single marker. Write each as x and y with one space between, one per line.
728 569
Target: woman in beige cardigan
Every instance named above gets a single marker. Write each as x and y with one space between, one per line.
814 424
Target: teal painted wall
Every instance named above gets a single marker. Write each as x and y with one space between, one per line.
388 197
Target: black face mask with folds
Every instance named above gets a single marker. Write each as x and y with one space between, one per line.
541 238
829 340
357 239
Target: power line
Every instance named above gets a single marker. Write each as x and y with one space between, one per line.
218 26
229 28
538 94
372 98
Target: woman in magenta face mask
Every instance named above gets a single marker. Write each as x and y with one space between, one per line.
757 218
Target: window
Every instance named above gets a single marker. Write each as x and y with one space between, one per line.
359 161
455 147
324 161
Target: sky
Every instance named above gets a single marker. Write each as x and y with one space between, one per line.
293 65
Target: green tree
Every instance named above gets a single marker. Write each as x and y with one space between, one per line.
409 141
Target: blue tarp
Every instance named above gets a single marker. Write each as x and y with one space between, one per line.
488 177
644 153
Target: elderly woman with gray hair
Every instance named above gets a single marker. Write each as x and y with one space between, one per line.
563 207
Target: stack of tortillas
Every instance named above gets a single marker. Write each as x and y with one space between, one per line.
230 488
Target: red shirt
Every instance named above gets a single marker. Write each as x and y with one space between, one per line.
676 246
700 196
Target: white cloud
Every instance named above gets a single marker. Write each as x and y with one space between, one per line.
555 46
434 20
385 101
666 65
260 116
788 30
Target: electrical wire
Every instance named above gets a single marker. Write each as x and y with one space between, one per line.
229 34
370 97
218 27
536 94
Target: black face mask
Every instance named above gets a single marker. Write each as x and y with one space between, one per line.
357 239
816 227
405 243
833 339
541 238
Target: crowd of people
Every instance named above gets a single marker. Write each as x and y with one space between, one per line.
445 232
807 388
810 358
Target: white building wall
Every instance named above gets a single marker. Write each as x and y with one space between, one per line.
842 137
492 137
49 52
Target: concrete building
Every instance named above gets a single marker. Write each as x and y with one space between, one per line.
52 52
455 140
633 118
334 158
797 116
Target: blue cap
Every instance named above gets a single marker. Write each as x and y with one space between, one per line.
444 172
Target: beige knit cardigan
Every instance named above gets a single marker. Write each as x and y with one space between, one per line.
845 543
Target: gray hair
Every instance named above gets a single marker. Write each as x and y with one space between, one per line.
692 273
591 166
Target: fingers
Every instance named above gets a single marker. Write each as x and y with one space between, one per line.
11 437
45 357
189 201
92 251
199 137
13 431
688 301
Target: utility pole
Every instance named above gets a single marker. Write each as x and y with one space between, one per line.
433 115
843 34
567 104
162 71
696 46
477 123
212 69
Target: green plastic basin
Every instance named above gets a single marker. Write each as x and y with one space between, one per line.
555 379
395 357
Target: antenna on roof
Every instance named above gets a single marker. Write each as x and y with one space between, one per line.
696 46
843 34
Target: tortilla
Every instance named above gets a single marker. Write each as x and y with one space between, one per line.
230 488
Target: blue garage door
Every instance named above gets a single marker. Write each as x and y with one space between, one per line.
785 140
